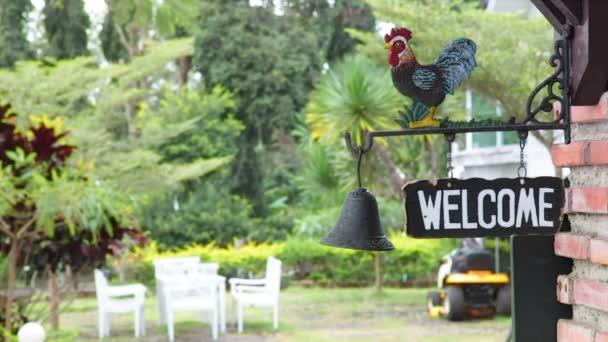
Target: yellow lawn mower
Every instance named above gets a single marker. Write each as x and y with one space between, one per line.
468 285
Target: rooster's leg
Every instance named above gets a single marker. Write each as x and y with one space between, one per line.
428 120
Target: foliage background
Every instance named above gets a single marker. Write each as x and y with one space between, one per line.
223 121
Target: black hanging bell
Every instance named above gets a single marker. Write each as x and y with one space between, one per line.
359 224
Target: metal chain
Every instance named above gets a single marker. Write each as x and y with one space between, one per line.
522 165
450 137
449 156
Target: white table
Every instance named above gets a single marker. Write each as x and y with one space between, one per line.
165 283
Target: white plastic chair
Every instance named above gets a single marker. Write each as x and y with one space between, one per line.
107 303
199 294
167 268
211 268
258 292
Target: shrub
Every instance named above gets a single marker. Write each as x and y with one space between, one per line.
315 225
308 260
209 213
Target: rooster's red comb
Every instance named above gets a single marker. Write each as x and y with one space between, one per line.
405 33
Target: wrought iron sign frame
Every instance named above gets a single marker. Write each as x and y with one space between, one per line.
560 60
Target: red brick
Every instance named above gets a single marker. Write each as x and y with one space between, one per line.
592 294
572 154
569 331
601 337
598 152
564 290
598 251
589 200
580 153
586 114
571 246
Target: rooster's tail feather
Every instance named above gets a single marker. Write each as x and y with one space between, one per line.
456 60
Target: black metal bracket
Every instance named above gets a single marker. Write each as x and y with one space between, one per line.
560 79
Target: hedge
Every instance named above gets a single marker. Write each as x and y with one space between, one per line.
412 259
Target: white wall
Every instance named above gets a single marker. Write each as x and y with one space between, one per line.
502 161
513 6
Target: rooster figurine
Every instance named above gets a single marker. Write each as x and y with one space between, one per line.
428 84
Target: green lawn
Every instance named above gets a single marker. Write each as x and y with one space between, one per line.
307 314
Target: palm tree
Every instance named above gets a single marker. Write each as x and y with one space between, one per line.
357 96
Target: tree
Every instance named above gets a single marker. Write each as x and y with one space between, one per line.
132 21
329 19
71 254
128 24
349 14
43 195
65 24
98 125
13 40
111 46
203 208
183 136
205 214
317 179
213 115
59 87
270 63
316 15
358 97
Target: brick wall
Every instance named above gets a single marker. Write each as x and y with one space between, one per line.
586 288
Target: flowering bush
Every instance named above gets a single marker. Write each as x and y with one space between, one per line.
308 260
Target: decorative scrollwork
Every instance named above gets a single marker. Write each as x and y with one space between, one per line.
560 60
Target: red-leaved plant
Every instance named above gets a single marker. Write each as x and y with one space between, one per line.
28 246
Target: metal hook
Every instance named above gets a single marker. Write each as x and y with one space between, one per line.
450 137
355 150
358 151
523 135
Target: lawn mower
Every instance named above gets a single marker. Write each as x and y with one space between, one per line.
468 285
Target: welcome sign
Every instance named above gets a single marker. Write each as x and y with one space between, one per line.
479 208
